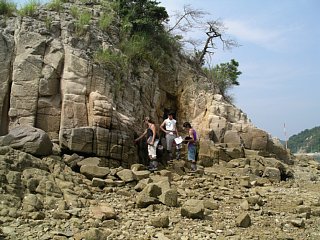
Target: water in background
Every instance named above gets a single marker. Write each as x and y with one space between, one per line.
316 156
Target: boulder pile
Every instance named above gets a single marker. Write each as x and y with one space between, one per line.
63 196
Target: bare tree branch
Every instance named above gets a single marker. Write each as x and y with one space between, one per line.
215 30
188 19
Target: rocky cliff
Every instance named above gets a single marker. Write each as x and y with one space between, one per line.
49 80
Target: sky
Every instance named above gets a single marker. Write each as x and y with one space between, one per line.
279 58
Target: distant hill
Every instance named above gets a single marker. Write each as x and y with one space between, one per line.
307 141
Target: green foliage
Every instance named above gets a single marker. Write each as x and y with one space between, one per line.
82 21
56 5
135 47
116 63
145 48
74 11
141 16
306 141
7 8
105 21
48 22
108 14
141 31
224 75
30 8
113 60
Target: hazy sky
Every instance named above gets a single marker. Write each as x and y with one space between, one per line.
279 58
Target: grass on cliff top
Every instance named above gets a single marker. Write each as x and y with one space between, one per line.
7 8
30 8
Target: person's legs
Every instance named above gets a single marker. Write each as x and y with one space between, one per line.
152 151
178 149
192 157
169 140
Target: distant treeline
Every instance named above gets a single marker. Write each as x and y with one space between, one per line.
307 141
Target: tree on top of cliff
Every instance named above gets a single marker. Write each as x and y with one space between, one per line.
224 76
142 16
190 19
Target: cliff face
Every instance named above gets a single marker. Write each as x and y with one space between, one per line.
49 80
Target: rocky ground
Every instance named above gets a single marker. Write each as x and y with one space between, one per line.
46 199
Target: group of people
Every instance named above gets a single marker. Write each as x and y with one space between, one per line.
169 127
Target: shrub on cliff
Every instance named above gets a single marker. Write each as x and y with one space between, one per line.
30 8
7 8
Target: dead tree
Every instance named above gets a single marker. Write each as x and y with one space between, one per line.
215 31
188 19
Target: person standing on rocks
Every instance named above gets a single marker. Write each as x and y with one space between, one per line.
191 140
169 126
152 141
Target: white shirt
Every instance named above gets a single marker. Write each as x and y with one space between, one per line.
170 124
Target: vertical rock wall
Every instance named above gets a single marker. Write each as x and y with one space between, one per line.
49 80
6 55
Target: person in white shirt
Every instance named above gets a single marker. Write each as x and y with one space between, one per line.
169 126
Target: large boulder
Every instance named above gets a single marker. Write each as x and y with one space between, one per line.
28 139
255 139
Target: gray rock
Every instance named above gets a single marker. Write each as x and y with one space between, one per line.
272 173
161 221
169 197
28 139
212 205
98 182
103 212
32 203
243 220
138 175
91 161
300 223
193 209
93 233
126 175
94 171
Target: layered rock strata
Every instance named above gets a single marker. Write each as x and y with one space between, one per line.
49 80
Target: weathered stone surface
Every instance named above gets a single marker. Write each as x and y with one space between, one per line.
98 182
161 221
50 80
210 205
56 196
169 197
138 175
6 55
103 212
94 171
126 175
243 220
57 86
29 139
93 233
91 161
193 209
273 174
32 203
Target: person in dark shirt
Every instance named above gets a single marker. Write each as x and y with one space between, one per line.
152 141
